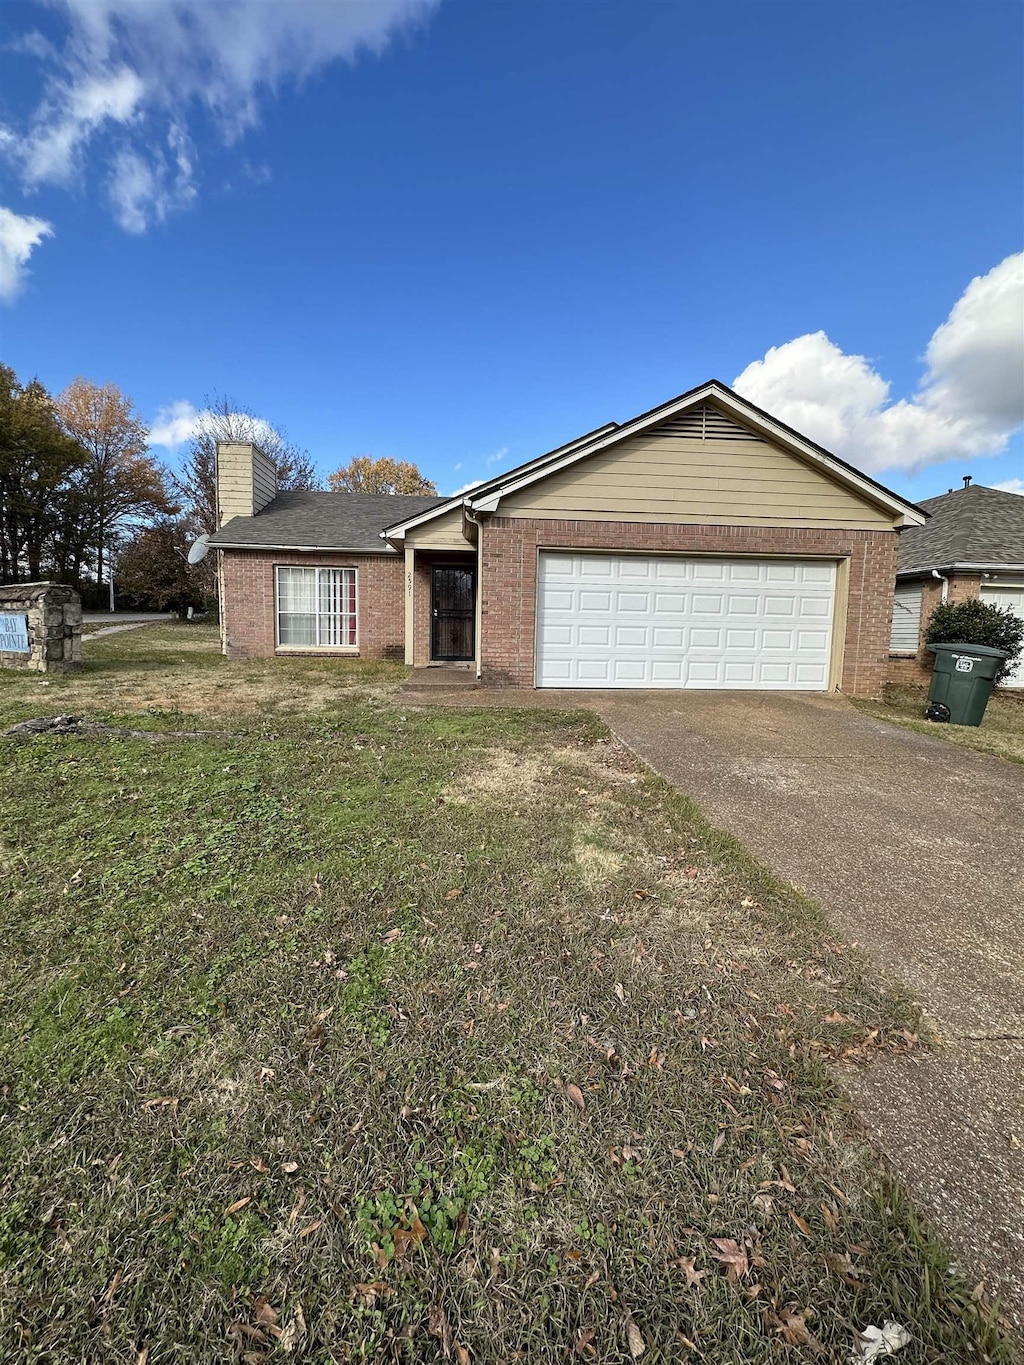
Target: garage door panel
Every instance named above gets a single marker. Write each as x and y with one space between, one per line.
1002 595
769 626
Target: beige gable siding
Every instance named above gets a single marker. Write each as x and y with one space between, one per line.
663 476
443 533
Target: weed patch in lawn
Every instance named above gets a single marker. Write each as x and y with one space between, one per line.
341 1039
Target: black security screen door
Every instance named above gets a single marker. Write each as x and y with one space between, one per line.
452 612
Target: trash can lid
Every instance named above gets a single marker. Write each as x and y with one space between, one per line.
986 651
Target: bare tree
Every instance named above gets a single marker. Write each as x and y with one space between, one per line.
222 419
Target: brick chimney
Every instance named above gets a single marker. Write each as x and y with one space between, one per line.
246 480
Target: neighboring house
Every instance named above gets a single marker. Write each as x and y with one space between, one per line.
971 546
703 544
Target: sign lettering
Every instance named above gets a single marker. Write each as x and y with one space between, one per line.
14 634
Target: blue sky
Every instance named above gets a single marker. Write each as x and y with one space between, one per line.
464 232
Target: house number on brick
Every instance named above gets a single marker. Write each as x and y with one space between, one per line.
14 634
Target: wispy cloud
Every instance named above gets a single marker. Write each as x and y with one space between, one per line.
19 237
969 403
1010 486
498 456
466 488
130 74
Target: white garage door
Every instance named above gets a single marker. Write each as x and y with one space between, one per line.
1014 599
657 621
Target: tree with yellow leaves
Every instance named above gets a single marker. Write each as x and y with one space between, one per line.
367 475
121 481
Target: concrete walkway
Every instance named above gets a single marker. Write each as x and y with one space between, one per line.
915 849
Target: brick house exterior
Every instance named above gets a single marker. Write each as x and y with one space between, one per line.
972 546
742 555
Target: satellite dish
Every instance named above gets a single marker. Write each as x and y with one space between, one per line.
200 549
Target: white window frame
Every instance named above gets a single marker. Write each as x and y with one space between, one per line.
318 569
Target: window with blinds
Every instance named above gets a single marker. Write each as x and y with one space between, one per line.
906 619
316 608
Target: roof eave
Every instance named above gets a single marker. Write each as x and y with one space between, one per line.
306 549
960 566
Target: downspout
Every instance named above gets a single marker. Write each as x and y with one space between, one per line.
944 581
479 611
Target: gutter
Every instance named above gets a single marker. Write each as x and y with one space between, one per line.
307 549
479 610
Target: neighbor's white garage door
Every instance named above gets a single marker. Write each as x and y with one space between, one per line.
660 621
1014 599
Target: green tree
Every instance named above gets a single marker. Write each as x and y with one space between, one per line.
121 483
364 474
153 569
42 471
973 622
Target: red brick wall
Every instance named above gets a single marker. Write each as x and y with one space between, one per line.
510 555
248 600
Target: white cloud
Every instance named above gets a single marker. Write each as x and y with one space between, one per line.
19 237
970 401
497 456
174 424
466 488
1010 486
137 69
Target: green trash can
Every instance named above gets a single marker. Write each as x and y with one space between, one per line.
962 682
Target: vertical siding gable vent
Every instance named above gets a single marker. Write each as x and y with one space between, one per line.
705 424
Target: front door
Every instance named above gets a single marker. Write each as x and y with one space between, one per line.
452 613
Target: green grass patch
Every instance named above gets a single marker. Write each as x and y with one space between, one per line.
373 1034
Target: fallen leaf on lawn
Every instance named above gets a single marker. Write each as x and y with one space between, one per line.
391 935
802 1224
576 1095
843 1267
693 1276
311 1228
461 1354
835 1018
238 1205
404 1238
790 1323
876 1342
143 1356
289 1166
371 1292
634 1338
583 1346
265 1315
437 1326
455 892
733 1257
620 993
293 1333
718 1143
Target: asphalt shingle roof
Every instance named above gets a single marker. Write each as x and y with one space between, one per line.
973 525
324 521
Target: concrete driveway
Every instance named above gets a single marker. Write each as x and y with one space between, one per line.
915 848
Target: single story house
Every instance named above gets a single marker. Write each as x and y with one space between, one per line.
971 546
703 544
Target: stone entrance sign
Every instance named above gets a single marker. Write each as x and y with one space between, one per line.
40 627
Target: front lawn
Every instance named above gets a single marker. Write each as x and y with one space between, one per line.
1001 732
365 1033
